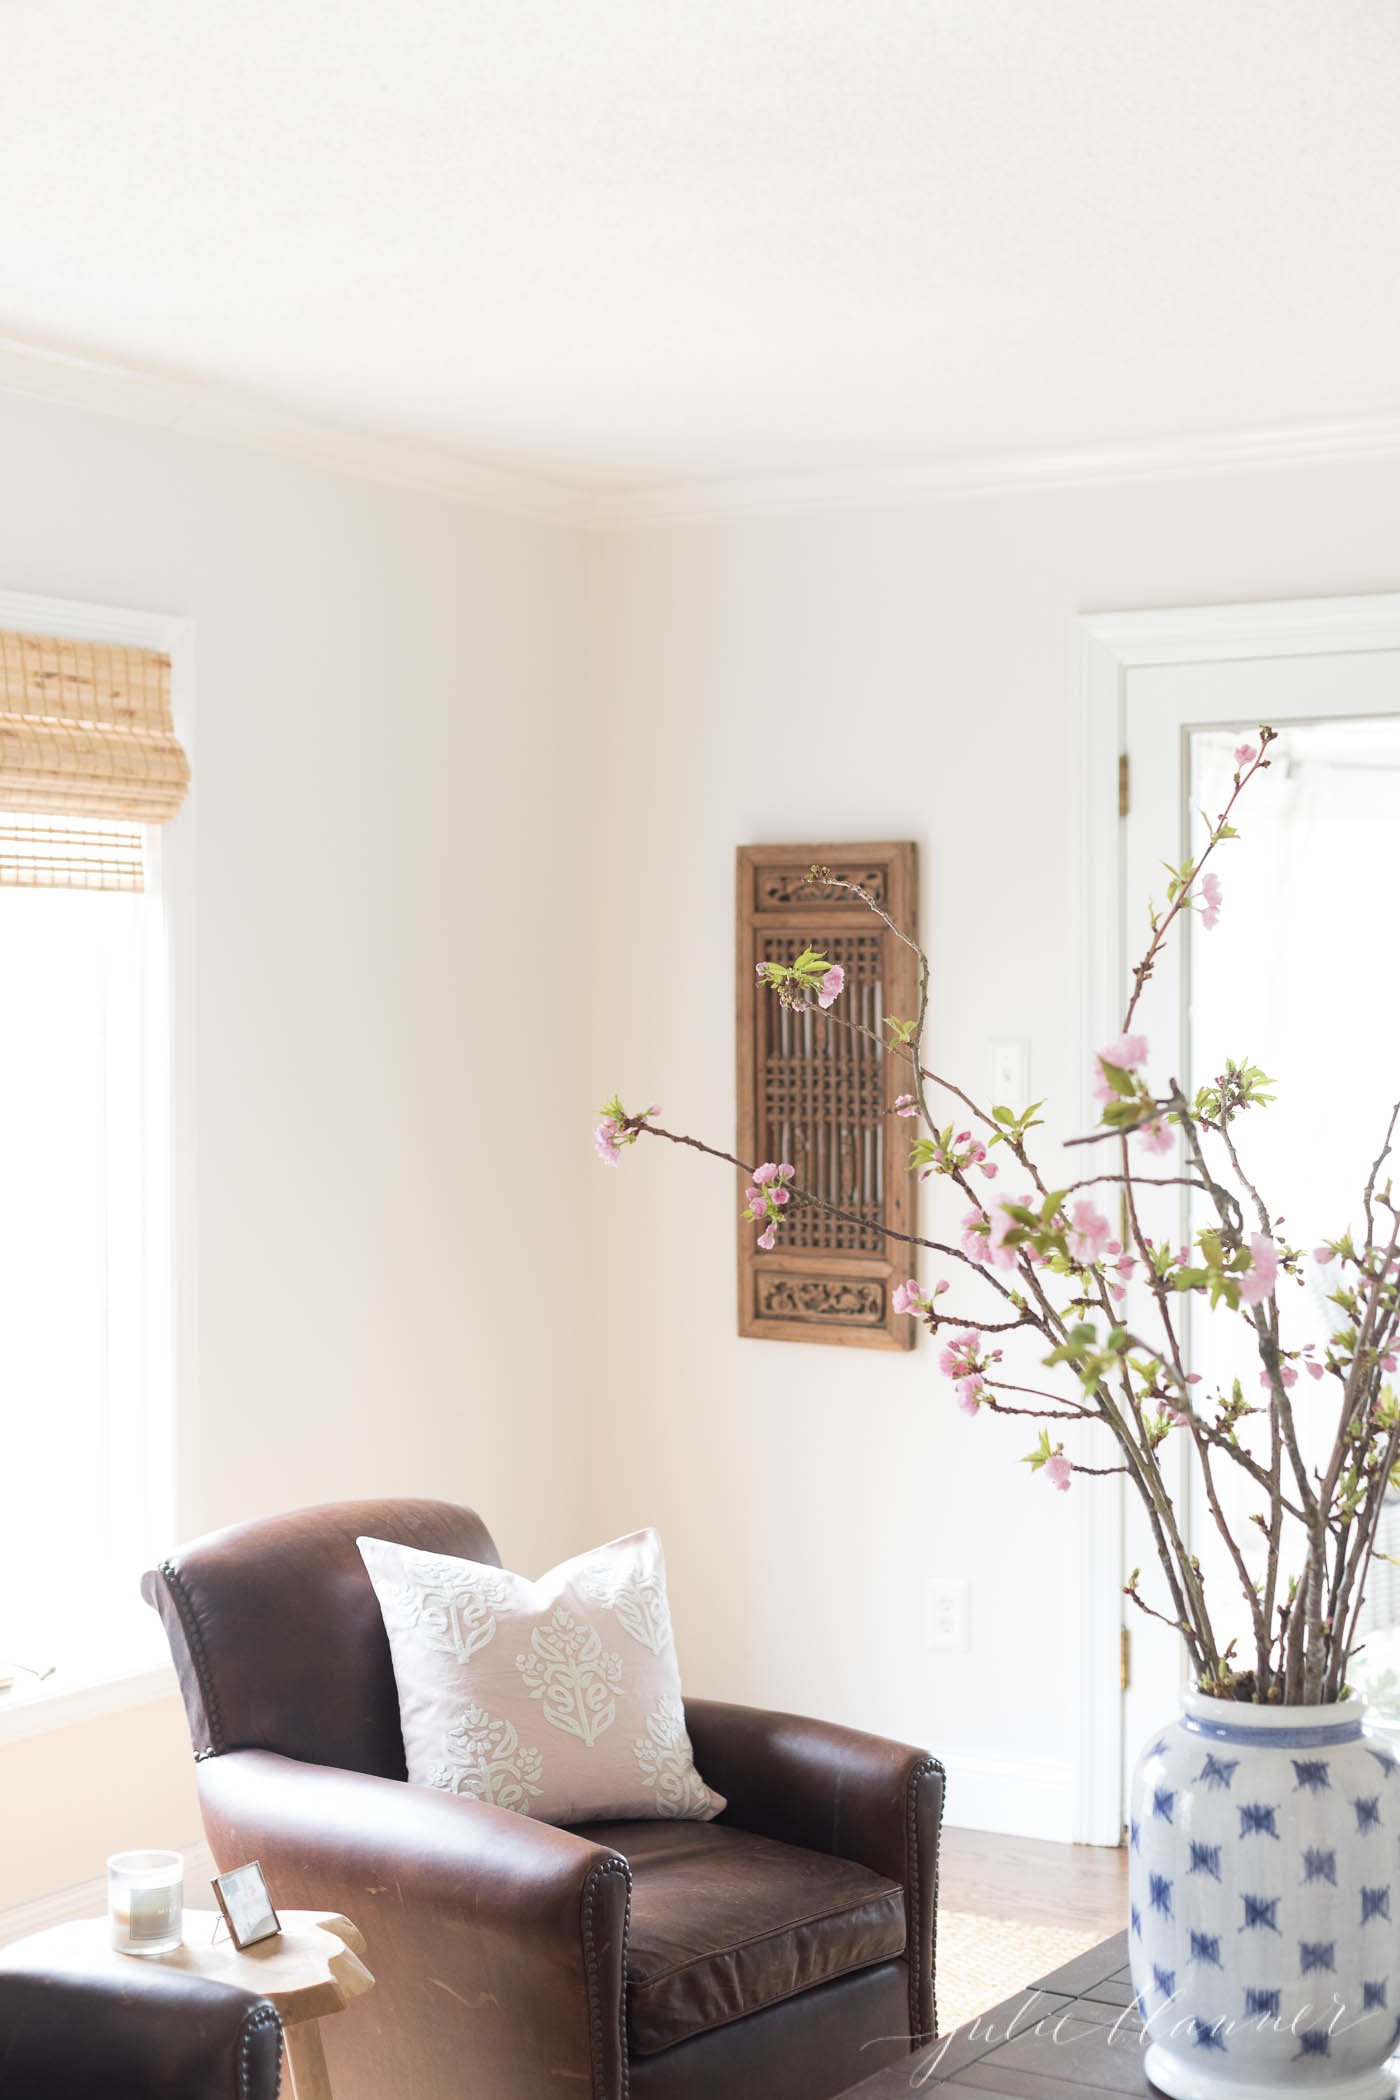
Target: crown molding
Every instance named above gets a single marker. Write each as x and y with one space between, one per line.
228 414
232 415
947 479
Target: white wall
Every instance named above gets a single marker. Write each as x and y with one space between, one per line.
865 675
388 743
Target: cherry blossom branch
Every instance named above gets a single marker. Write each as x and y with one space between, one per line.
1048 1257
1219 831
804 1199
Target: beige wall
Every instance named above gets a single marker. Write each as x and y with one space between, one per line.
387 742
868 675
394 807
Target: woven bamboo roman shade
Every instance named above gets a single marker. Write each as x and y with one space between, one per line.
85 732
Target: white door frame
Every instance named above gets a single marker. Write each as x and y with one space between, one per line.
1106 648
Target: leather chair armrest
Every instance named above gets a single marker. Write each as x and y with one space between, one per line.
150 2034
832 1789
496 1942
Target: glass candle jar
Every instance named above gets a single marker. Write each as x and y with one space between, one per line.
145 1901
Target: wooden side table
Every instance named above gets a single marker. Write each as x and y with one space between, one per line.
312 1968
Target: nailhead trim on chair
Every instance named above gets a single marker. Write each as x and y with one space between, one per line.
262 2016
184 1605
924 1770
596 1877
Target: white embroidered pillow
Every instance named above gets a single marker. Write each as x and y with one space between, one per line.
559 1698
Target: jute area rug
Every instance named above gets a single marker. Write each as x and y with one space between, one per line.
983 1960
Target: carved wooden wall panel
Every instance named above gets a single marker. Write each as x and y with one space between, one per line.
813 1090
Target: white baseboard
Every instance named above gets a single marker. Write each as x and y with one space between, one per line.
88 1899
1018 1797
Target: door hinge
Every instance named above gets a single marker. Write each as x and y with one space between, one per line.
1123 792
1125 1658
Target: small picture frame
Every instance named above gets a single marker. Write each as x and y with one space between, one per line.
247 1907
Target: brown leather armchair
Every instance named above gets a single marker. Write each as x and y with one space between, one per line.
151 2033
780 1953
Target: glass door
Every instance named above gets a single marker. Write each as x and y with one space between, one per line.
1298 976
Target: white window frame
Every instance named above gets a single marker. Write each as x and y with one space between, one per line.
141 1671
1105 647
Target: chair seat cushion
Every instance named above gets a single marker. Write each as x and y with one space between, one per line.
724 1923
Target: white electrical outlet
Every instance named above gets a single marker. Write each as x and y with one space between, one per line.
945 1613
1011 1072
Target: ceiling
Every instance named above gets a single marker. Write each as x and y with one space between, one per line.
639 242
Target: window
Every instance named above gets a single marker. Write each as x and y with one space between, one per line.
87 1444
85 1441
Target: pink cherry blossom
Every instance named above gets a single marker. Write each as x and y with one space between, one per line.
766 1239
1288 1375
1179 1417
1322 1255
1314 1370
1057 1472
831 986
1258 1283
781 1195
973 1236
998 1254
1245 754
1210 890
1157 1136
766 1173
970 1391
959 1357
906 1105
1088 1231
907 1297
1127 1053
605 1142
785 1172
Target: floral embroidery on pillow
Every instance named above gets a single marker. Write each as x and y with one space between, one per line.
487 1762
573 1676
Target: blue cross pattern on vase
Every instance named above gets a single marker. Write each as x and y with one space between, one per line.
1264 1850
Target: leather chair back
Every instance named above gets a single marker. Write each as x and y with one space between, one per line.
277 1635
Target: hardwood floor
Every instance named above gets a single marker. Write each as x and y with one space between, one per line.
1033 1881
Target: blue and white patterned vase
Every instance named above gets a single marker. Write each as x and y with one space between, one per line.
1264 1885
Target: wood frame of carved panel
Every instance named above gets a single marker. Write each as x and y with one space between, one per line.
813 1091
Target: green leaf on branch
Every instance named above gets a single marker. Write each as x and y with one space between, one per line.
1042 1454
1239 1086
1120 1080
1014 1127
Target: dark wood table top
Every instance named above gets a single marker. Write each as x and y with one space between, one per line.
1072 2036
